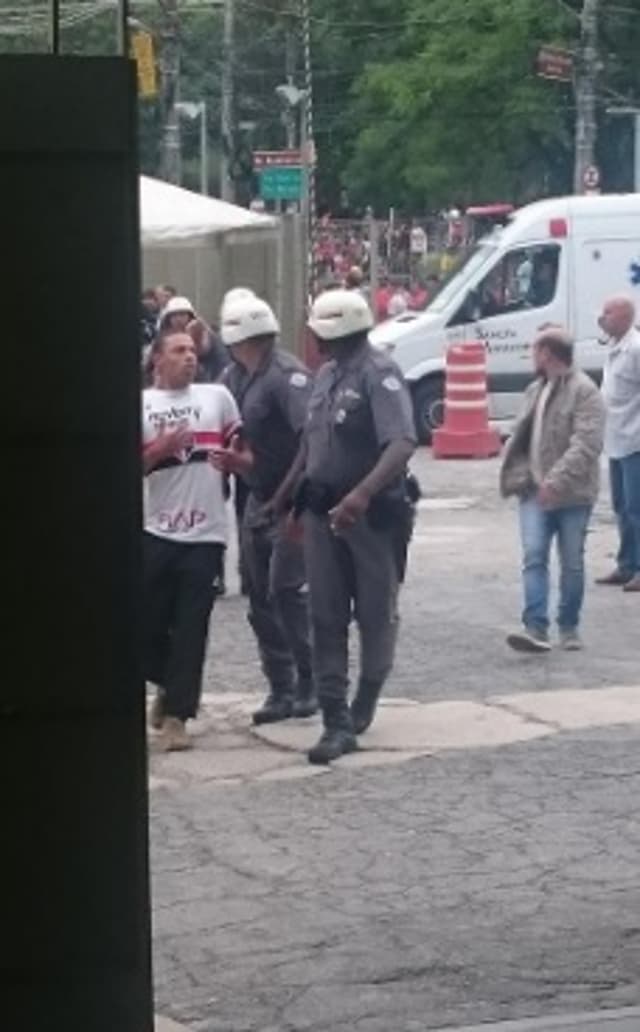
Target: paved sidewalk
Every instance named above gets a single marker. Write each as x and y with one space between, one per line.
627 1020
476 861
473 885
421 729
230 751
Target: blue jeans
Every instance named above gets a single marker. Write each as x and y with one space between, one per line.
538 527
625 498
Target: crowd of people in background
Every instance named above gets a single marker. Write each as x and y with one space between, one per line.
397 264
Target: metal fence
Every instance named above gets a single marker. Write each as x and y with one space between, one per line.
399 251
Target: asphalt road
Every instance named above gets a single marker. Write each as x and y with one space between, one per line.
469 886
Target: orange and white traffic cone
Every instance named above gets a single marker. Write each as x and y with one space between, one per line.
466 433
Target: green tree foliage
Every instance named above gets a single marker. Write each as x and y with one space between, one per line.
459 114
418 103
464 116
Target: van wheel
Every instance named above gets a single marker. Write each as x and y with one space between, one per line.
428 407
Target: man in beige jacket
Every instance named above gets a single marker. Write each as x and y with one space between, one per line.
552 465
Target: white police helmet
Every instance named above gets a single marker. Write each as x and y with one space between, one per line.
234 295
245 318
177 305
340 313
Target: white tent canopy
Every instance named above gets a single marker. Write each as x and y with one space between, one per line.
171 216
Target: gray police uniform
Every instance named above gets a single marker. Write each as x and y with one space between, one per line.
273 402
357 408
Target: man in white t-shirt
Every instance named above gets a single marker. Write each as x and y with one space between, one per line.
185 525
621 393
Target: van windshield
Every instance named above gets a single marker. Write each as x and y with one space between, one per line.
455 286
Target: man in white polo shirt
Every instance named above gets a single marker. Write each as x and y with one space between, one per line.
621 392
185 527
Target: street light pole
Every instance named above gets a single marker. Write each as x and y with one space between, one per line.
289 115
123 27
54 26
204 150
171 157
199 110
226 107
308 157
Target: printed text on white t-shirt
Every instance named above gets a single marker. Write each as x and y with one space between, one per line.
184 494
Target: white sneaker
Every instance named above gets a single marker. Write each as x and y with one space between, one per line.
530 640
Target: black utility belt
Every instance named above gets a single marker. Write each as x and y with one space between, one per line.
385 511
314 497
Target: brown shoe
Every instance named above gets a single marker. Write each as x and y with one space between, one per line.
156 712
633 584
174 736
617 578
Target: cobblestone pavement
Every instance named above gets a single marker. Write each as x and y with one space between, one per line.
468 885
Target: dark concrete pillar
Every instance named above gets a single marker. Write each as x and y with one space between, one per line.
74 926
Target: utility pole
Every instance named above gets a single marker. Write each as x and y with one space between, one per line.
308 157
226 108
170 34
54 27
123 27
585 92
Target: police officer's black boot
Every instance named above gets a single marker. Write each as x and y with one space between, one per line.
305 703
337 738
364 705
274 709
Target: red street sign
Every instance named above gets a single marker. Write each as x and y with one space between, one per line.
555 63
277 159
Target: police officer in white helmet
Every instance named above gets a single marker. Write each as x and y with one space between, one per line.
241 489
234 295
272 389
359 438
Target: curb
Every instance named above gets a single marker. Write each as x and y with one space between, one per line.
625 1020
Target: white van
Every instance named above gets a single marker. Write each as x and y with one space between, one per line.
555 262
